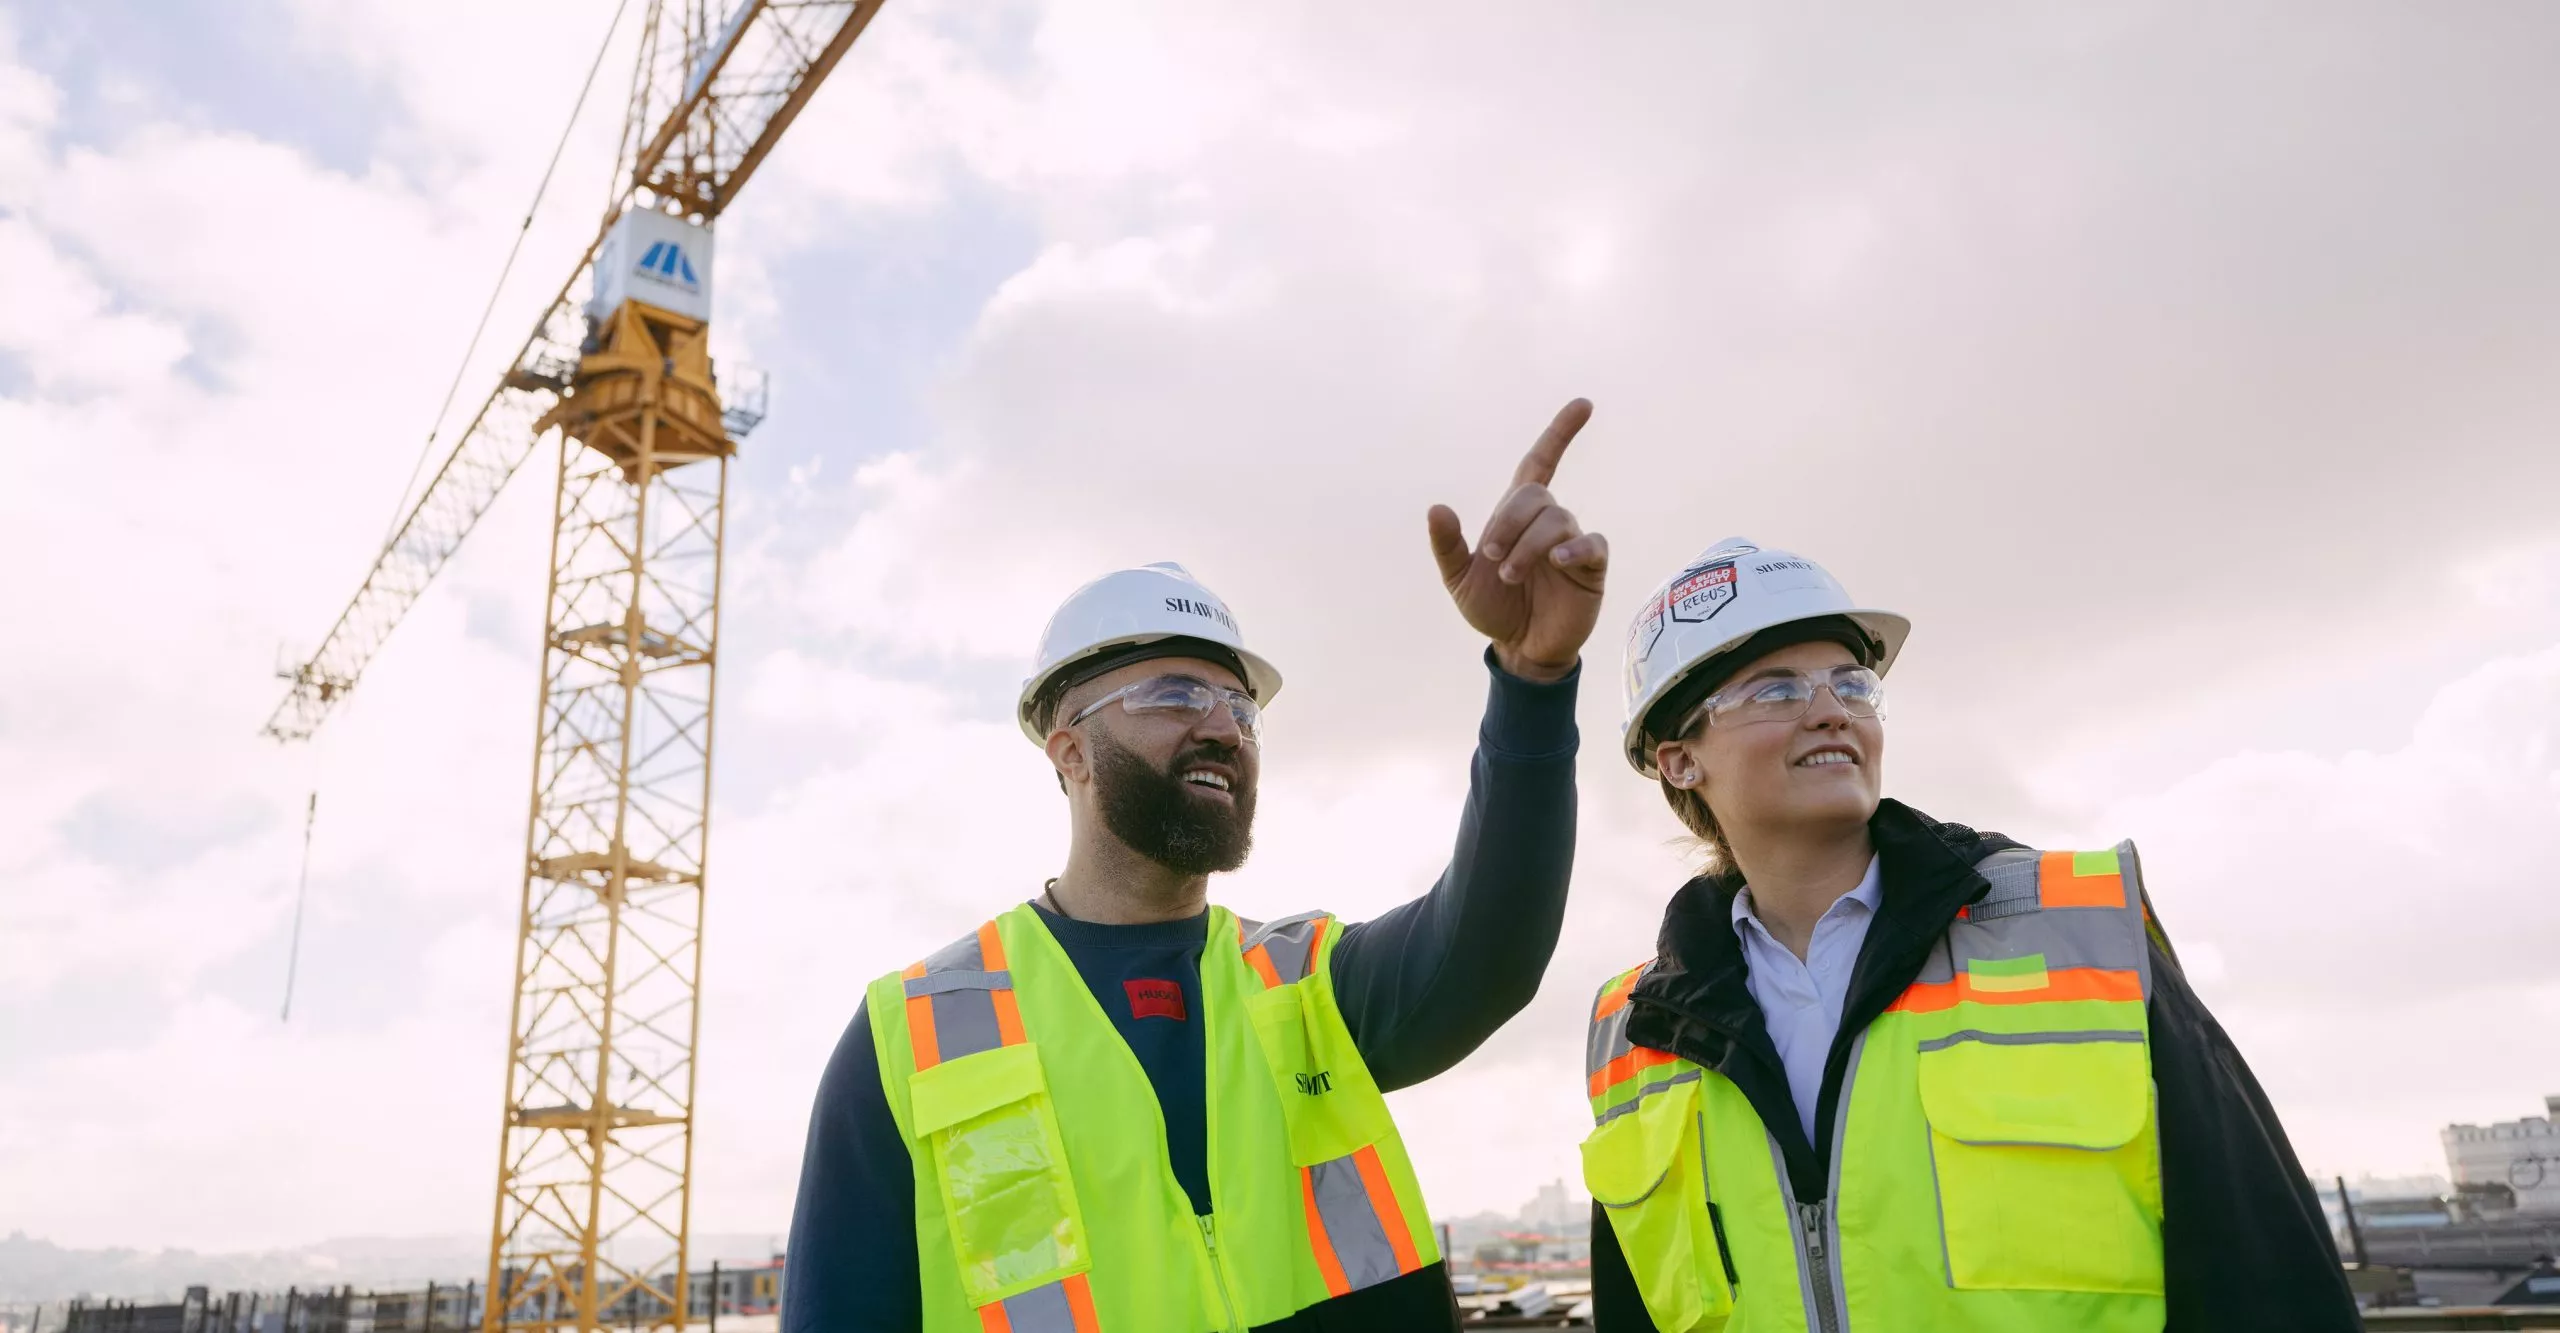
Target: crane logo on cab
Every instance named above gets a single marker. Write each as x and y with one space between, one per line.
665 261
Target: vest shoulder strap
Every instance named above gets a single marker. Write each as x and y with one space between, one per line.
1285 951
1616 1070
2049 911
960 1000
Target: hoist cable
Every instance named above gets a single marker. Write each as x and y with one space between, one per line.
427 450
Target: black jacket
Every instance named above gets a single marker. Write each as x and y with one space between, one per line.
2247 1247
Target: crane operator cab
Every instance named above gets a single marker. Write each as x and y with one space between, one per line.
644 394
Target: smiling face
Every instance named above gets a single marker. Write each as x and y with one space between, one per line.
1177 790
1769 782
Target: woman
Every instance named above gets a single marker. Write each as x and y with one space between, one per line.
1887 1073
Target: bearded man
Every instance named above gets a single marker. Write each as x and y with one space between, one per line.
1119 1108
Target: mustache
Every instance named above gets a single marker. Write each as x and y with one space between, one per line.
1209 752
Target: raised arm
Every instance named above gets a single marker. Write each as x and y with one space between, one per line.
1426 983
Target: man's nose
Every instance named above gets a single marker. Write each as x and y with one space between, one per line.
1219 725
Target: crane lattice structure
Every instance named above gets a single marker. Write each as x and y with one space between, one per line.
595 1161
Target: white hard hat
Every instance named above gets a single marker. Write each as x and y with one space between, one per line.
1731 592
1127 608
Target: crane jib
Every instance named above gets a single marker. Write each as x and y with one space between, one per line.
748 83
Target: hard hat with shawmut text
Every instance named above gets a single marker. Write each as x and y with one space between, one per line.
1728 593
1116 616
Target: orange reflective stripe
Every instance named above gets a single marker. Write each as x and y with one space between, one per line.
2058 885
1315 942
920 1025
1259 956
1080 1300
992 1318
1328 1264
1008 1017
1382 1197
2069 983
1615 997
990 948
1626 1067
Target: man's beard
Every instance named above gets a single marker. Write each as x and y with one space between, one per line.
1161 818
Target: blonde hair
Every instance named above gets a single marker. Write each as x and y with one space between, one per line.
1695 816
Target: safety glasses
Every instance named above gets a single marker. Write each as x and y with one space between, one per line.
1784 696
1182 697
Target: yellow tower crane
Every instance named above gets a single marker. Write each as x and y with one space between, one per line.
595 1158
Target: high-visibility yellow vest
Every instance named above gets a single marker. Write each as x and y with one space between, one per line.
1994 1164
1045 1198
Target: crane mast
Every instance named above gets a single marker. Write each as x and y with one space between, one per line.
595 1164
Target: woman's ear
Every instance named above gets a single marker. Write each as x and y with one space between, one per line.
1678 766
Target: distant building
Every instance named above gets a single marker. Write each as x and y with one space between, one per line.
1556 1208
2522 1156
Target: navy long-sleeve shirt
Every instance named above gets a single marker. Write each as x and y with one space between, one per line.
1419 987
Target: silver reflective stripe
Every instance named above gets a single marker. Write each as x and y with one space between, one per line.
2137 901
2027 1143
936 983
962 993
1938 1200
1041 1310
2066 939
1938 967
2010 922
1835 1288
1359 1238
1606 1041
1622 1108
964 1023
1290 942
2028 1038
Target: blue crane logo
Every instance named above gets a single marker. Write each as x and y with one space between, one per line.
665 261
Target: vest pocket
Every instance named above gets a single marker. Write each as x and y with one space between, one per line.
1332 1107
2047 1170
1646 1169
1002 1170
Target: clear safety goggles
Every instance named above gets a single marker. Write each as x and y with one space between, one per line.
1181 696
1784 696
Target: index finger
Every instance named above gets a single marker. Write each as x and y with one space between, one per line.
1539 465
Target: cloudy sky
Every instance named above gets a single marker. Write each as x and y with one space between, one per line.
2185 375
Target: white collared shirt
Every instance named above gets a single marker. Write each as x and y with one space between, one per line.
1802 997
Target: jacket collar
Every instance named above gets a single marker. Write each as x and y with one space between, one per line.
1696 993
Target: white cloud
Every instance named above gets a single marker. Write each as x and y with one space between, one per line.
61 326
2198 432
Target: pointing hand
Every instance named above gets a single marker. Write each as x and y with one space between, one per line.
1532 583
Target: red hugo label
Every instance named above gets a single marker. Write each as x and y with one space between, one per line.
1150 998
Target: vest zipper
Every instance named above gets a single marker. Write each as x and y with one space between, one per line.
1209 1236
1826 1316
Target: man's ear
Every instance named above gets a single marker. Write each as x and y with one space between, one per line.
1067 755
